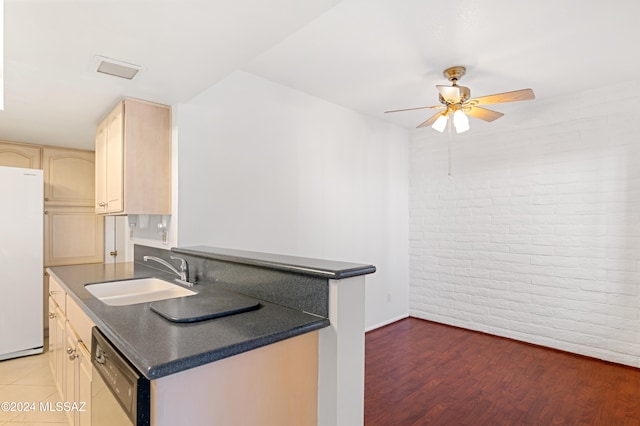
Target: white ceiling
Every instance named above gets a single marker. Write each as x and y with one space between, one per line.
367 55
53 94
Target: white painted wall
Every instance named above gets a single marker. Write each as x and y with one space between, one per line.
266 168
537 237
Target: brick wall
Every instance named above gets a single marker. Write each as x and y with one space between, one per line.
537 236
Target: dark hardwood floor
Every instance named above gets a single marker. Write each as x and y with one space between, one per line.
423 373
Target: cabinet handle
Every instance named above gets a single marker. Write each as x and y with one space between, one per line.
102 204
52 315
71 353
46 199
46 212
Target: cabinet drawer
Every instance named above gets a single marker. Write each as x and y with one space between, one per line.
58 294
80 322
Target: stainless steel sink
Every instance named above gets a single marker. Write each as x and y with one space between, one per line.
129 292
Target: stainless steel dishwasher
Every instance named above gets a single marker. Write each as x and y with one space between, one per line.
119 393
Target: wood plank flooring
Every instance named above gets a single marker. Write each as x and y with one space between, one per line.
424 373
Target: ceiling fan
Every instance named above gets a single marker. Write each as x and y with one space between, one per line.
456 103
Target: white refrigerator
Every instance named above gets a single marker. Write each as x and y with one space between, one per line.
21 263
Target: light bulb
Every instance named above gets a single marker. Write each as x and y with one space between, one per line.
440 123
461 121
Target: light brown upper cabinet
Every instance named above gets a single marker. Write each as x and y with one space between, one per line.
72 232
69 177
100 203
17 155
133 159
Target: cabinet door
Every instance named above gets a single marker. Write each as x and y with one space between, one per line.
73 235
115 165
59 375
83 390
101 168
18 155
71 373
147 158
69 177
52 335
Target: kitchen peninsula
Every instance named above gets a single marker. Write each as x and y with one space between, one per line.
286 360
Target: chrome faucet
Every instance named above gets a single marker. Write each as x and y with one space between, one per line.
183 273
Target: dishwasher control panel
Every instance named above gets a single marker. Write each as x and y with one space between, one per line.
129 387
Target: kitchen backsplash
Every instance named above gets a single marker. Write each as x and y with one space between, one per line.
296 291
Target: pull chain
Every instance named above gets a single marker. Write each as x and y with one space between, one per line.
449 149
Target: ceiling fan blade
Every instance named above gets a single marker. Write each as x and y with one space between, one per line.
449 93
429 121
413 109
483 113
515 96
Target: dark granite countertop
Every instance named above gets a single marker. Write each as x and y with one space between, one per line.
158 347
301 265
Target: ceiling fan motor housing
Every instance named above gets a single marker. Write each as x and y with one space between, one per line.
454 73
463 95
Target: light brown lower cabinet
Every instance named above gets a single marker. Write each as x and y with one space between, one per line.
77 378
69 352
56 344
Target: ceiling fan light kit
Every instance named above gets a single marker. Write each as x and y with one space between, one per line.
456 101
441 123
460 121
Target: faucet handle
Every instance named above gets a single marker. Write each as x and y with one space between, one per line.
183 263
184 268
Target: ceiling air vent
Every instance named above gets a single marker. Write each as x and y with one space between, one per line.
117 68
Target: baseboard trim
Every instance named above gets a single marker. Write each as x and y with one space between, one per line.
385 323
